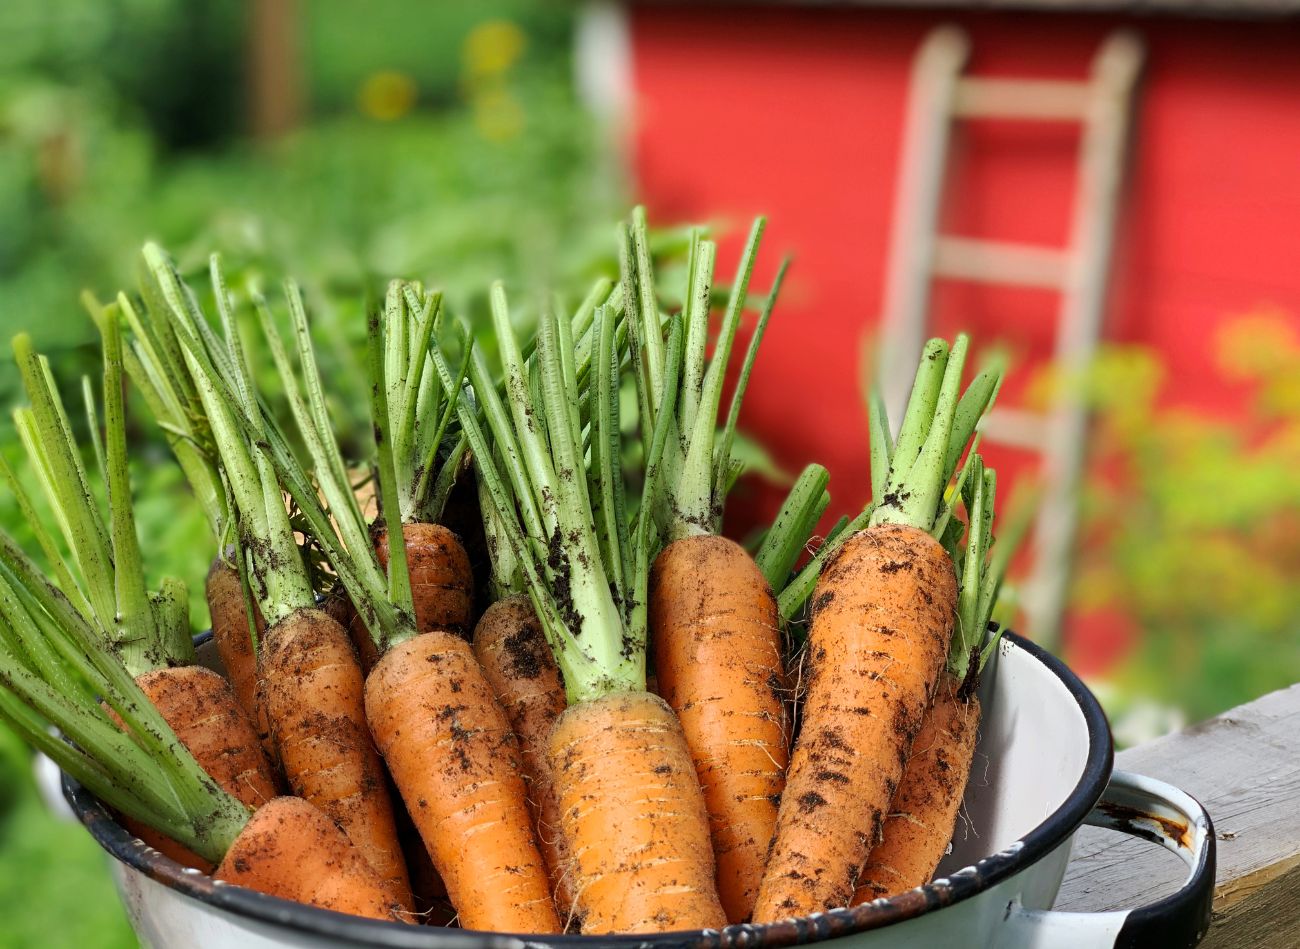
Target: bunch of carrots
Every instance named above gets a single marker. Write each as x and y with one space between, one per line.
607 718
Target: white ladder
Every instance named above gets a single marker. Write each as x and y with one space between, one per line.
941 94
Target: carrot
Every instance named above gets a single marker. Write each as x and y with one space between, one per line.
309 675
921 816
230 634
290 849
562 521
315 699
713 621
200 707
452 753
924 810
634 816
882 619
717 653
442 586
511 649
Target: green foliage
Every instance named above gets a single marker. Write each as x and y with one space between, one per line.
1192 524
54 890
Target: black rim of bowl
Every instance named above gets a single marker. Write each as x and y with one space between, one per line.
961 885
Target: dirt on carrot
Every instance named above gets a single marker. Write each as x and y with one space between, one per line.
717 647
882 622
453 755
624 808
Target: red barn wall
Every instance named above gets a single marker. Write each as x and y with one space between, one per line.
797 114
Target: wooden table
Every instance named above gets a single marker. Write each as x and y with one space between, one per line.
1244 766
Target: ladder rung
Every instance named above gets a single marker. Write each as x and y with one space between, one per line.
1019 428
1026 265
1047 99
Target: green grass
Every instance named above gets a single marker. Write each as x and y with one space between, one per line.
55 889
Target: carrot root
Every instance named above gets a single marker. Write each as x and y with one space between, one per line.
923 813
230 632
454 758
292 850
634 815
442 585
201 709
314 699
883 613
512 649
717 652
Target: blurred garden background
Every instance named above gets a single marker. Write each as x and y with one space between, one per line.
345 143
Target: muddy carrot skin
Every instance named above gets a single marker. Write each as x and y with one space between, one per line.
442 585
511 648
200 707
452 754
716 640
314 695
631 807
882 621
921 818
291 850
230 631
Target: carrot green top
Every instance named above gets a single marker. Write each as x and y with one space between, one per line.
549 456
697 467
259 465
911 475
103 579
56 670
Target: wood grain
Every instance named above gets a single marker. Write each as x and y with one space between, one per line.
1244 766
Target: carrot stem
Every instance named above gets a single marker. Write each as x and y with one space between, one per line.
794 524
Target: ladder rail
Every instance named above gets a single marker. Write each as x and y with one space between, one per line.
940 96
1103 153
917 202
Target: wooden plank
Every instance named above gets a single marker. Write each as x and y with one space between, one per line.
1244 766
986 261
1059 100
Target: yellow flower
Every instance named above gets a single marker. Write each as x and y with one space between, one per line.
387 95
491 48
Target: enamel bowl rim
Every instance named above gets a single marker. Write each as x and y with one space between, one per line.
1052 832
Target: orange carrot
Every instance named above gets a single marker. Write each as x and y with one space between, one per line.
452 754
631 808
925 807
230 633
924 810
290 849
512 650
882 621
442 586
717 652
200 707
314 696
